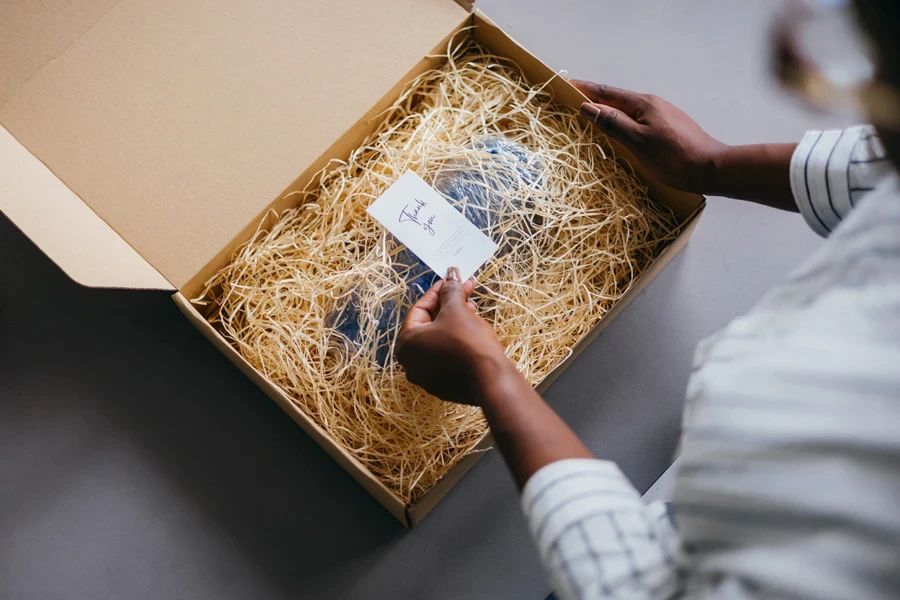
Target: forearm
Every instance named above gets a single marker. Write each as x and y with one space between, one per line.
578 510
759 173
527 431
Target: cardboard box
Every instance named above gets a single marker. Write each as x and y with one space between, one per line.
143 140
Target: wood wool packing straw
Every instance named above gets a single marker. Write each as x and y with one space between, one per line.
572 242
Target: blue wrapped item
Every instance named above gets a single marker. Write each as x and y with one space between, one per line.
487 202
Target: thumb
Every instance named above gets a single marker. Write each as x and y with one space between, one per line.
452 292
611 121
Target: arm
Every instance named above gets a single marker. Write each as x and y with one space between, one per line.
529 433
823 177
679 153
758 172
596 537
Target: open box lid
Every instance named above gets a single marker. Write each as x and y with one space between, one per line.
140 136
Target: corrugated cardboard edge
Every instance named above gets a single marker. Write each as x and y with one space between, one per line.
72 235
350 464
642 281
417 512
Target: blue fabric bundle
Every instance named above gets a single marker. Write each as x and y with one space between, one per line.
486 202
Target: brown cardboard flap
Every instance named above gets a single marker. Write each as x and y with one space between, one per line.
34 33
349 141
178 122
64 227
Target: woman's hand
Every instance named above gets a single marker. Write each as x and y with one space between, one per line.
678 153
667 141
453 353
448 349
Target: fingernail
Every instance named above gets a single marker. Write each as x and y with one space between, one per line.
590 112
452 274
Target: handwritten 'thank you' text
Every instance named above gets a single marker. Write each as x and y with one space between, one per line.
414 216
430 227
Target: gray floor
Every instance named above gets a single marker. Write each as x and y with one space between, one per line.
137 463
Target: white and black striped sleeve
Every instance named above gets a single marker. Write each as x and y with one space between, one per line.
596 537
832 170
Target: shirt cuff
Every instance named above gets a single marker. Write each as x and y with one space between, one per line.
830 170
595 536
568 491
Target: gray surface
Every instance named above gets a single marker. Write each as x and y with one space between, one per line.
136 462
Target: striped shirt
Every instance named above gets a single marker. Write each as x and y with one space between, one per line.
789 478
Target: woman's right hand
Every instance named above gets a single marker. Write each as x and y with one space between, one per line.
454 354
673 147
447 348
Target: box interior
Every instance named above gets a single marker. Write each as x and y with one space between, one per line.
179 141
685 206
